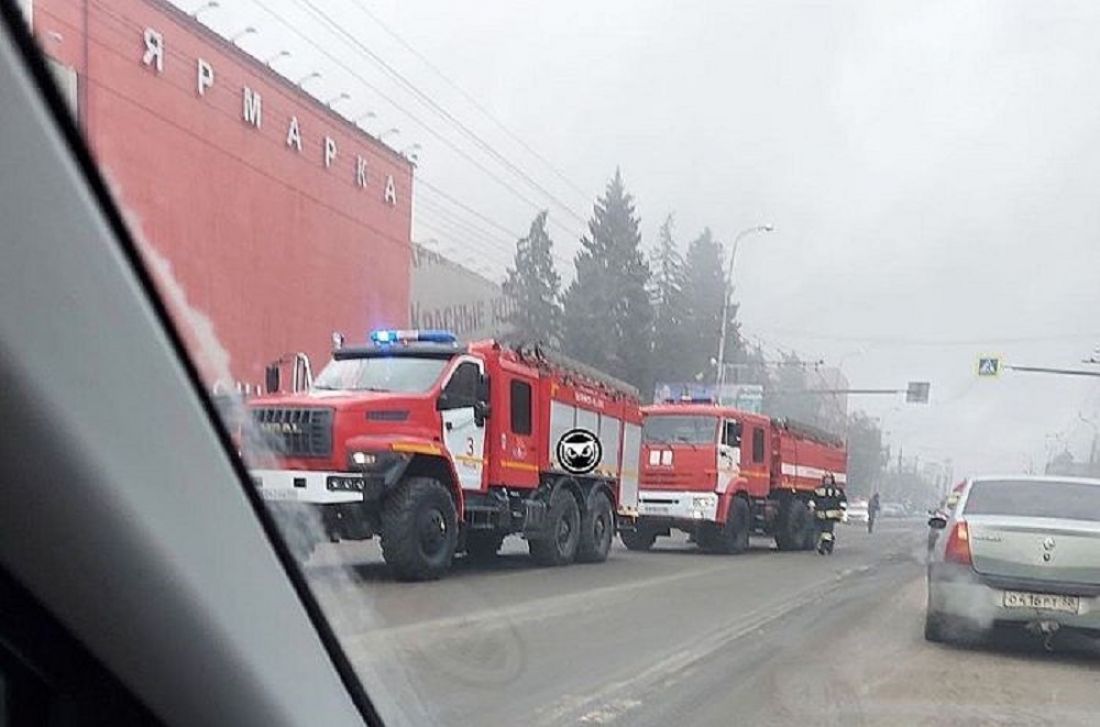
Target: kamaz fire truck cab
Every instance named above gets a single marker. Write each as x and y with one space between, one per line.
440 447
721 474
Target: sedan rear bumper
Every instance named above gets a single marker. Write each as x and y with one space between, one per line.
957 591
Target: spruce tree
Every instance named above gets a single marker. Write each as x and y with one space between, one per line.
534 287
706 291
670 313
608 316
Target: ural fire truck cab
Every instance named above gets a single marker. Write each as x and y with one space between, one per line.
440 448
722 474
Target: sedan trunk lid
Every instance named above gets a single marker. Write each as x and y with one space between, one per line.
1048 549
1044 529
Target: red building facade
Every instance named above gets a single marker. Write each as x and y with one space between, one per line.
279 220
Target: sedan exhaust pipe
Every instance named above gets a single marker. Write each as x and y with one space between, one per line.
1046 629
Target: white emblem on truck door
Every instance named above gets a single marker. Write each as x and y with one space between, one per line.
579 451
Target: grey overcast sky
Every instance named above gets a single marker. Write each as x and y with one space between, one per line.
931 169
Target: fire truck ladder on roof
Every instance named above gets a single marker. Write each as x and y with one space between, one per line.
538 355
809 432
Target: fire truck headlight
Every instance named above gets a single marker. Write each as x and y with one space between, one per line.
377 463
703 505
362 459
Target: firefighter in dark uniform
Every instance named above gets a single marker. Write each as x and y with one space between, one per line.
830 502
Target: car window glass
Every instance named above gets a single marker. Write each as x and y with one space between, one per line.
757 444
520 393
461 389
669 429
381 373
1049 499
731 434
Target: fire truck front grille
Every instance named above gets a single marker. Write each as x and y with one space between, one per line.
669 480
295 432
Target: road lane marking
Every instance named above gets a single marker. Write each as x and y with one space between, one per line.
612 701
536 610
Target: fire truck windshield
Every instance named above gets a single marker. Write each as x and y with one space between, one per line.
664 429
402 374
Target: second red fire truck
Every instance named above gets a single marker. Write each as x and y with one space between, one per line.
722 474
441 448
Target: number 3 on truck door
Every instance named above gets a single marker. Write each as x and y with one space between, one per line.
462 436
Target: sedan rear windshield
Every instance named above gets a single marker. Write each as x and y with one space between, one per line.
1063 500
680 428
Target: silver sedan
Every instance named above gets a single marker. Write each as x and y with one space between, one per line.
1022 551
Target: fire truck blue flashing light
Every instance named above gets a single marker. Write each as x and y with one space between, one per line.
387 336
692 400
437 336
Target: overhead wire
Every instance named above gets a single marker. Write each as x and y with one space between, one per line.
471 100
214 99
422 124
457 255
382 234
441 111
422 182
490 251
932 342
93 80
116 24
121 23
490 239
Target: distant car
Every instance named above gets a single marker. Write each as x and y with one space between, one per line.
893 509
857 513
1021 551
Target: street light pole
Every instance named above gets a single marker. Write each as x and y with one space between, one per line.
720 379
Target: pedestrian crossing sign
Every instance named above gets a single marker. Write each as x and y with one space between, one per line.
989 366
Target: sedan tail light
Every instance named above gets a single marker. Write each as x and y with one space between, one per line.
958 545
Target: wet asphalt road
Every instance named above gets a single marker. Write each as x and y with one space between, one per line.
674 636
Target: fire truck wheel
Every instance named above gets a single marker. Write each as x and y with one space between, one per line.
706 537
733 537
597 529
563 520
640 539
740 517
809 533
419 529
483 545
795 530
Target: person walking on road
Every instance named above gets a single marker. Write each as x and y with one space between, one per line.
829 504
872 512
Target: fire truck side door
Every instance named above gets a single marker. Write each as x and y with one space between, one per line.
729 453
463 438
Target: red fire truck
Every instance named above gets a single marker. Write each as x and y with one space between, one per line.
441 448
720 474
